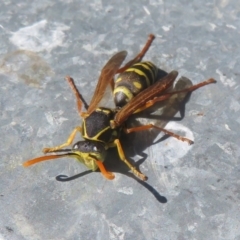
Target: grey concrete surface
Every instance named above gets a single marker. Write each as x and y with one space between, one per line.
193 192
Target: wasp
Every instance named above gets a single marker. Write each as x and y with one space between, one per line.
137 88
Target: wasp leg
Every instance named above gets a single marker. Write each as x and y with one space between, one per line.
79 97
67 143
139 57
168 95
123 158
149 126
105 173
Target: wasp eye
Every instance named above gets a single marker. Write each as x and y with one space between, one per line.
95 149
75 146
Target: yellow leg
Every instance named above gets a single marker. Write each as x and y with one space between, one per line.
145 127
67 143
123 158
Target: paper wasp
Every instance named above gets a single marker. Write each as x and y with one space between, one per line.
101 127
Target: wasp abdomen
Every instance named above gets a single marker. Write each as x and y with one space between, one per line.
135 79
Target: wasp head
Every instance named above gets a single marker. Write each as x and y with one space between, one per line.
88 152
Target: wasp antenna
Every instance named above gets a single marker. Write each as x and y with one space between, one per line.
42 158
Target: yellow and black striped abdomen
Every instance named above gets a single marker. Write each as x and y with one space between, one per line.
135 79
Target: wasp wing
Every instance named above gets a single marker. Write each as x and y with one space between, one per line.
148 94
143 145
107 74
